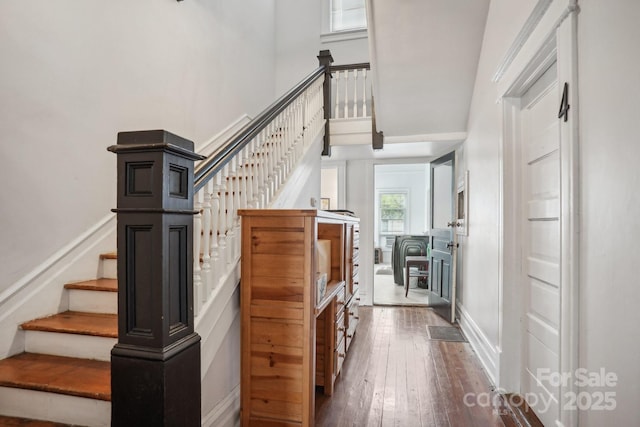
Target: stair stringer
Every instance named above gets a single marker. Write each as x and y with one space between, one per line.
41 292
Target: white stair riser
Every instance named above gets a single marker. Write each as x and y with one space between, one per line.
93 301
69 345
54 407
109 268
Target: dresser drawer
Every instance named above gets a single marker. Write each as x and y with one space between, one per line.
352 316
339 356
340 305
341 328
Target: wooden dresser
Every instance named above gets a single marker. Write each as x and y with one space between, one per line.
292 338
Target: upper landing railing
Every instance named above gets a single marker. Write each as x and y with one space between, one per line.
350 91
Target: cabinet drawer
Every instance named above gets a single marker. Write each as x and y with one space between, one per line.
339 356
352 316
341 328
339 306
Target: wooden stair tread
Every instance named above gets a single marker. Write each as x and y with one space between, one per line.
109 255
56 374
24 422
106 285
73 322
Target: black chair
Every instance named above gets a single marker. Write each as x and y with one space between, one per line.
403 246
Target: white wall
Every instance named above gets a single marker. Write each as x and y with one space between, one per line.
609 66
329 186
302 188
480 264
74 74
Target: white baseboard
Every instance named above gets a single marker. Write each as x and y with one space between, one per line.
487 353
226 413
60 408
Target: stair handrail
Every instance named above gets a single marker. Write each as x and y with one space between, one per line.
358 66
219 158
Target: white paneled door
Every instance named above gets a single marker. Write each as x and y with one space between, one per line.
540 171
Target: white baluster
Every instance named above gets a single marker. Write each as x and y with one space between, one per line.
229 214
255 174
235 222
275 153
206 245
262 168
336 112
245 186
355 93
309 117
282 145
236 178
248 173
292 136
215 219
197 239
222 221
268 147
346 94
364 92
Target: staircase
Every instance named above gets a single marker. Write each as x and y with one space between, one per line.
64 375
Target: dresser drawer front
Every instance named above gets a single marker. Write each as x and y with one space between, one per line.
339 357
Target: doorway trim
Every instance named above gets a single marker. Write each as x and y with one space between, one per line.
553 40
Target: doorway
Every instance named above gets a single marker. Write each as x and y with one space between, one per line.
540 242
401 208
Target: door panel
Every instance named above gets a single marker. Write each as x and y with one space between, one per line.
540 166
441 260
445 290
436 276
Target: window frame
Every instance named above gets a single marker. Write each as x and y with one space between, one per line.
347 28
382 235
329 36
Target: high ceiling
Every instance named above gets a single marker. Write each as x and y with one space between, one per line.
424 56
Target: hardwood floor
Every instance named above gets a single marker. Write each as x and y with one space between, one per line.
395 376
22 422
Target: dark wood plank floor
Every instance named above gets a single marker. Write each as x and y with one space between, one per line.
395 376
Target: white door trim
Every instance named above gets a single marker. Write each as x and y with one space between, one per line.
553 39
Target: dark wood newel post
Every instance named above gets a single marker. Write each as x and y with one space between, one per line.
155 366
325 59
